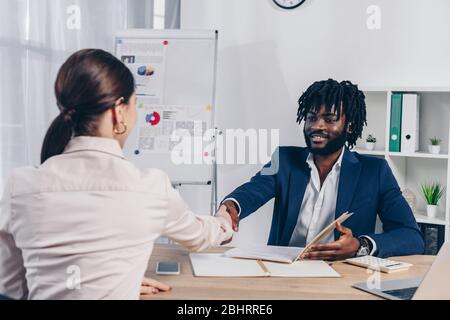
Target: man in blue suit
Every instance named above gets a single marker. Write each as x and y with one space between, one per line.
313 186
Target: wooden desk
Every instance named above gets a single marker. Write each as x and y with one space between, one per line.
188 287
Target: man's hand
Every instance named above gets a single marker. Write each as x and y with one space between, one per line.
232 210
151 287
229 211
346 247
224 214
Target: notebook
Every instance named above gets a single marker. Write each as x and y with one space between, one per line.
219 265
266 253
283 254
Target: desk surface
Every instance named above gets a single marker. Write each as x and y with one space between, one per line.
188 287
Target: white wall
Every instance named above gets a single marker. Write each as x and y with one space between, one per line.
269 56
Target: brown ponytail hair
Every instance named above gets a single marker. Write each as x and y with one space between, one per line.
88 84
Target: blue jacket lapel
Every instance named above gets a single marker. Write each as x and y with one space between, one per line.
298 181
348 181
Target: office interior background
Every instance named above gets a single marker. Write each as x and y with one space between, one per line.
267 58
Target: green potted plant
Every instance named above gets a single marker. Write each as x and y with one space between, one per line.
432 193
370 142
435 145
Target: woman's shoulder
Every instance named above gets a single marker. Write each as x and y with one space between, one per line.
125 176
156 179
154 175
21 178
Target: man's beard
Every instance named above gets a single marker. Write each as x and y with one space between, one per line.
331 147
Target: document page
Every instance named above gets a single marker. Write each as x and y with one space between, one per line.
302 269
218 265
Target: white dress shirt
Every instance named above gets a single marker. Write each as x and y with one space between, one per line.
318 209
83 225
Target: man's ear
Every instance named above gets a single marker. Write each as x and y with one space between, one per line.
350 128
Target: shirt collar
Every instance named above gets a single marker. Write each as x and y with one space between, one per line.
85 143
337 165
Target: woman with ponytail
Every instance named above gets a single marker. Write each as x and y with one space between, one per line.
83 224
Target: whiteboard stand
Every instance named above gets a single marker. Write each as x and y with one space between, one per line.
178 184
214 197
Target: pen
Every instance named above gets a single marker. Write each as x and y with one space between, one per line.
393 265
263 266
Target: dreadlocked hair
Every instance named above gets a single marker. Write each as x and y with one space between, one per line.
336 97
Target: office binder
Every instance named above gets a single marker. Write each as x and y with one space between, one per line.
410 123
396 122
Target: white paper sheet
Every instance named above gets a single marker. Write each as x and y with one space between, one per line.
217 265
302 269
157 125
147 61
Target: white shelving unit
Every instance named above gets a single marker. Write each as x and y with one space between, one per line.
413 169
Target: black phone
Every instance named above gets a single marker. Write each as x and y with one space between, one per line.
168 268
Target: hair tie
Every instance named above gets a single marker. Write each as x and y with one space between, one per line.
68 115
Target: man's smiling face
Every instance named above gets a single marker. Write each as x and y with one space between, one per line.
324 132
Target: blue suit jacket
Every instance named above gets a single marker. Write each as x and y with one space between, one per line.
367 187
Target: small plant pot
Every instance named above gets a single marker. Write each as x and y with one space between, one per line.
432 211
370 146
434 149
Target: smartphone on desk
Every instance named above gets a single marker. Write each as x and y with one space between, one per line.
168 268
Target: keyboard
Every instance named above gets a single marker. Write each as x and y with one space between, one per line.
379 264
403 294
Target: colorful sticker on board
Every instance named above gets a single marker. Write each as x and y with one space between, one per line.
146 71
128 59
153 118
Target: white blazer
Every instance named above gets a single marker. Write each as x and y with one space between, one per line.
83 225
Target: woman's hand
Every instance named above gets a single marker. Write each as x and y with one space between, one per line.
150 287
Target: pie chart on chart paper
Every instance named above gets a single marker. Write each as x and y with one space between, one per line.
146 71
153 118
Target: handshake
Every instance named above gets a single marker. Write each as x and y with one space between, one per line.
229 211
